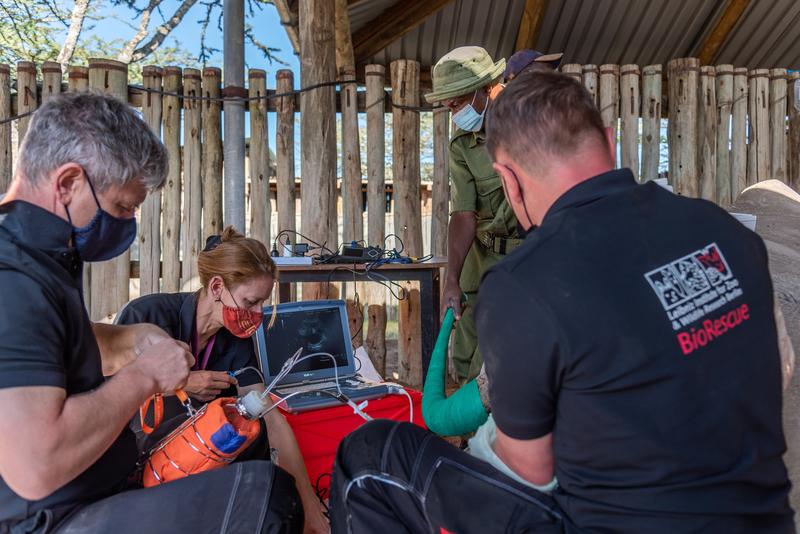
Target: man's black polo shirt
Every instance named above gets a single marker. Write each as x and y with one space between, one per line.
46 339
637 326
175 313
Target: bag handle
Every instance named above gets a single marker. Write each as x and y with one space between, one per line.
158 409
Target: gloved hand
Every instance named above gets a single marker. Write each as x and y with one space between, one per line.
463 411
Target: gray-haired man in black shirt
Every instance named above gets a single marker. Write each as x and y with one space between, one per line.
67 457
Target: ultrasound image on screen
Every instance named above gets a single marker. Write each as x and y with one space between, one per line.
315 331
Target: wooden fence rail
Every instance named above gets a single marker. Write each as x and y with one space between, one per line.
727 128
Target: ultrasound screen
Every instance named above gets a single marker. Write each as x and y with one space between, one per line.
314 330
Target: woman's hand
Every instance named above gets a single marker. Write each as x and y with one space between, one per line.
316 522
205 386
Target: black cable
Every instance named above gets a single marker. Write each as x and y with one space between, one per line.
397 238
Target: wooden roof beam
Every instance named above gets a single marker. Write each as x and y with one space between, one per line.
287 11
531 24
391 25
716 38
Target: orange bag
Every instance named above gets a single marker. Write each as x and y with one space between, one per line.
210 439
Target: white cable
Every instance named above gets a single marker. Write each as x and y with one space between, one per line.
397 388
249 367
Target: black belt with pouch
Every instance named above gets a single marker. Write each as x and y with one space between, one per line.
499 244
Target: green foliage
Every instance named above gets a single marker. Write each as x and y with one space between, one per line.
30 30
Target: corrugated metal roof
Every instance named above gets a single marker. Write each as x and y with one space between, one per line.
601 31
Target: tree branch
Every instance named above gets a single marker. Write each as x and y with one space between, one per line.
163 31
75 26
127 51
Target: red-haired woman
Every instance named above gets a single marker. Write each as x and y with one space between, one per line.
238 275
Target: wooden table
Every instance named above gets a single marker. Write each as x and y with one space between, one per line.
426 273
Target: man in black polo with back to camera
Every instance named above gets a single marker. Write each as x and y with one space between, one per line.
631 347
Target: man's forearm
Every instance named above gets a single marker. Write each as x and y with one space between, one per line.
460 236
88 425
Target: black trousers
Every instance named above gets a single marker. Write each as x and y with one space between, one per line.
247 497
392 477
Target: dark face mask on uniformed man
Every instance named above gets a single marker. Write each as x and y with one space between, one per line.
105 236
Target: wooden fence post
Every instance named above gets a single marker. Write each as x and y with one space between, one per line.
376 208
793 149
758 154
573 69
682 129
353 221
150 219
110 279
5 129
318 125
211 148
441 182
260 207
739 134
407 211
171 192
78 78
191 218
284 153
724 90
777 123
629 106
590 80
651 122
51 79
609 98
26 95
707 134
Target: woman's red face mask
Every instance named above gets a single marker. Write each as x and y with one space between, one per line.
240 322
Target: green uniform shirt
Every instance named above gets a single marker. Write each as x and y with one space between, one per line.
476 187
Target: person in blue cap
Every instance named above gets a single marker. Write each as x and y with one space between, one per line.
528 59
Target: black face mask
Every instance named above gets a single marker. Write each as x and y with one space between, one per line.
105 236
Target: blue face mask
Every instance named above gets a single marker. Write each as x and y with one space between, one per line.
468 119
105 236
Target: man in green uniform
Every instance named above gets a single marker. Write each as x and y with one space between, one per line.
482 225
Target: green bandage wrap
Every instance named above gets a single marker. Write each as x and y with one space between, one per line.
463 411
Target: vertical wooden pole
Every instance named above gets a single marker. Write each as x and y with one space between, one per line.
724 91
405 156
353 226
629 105
318 125
6 161
682 129
78 78
590 80
171 192
211 117
707 134
794 132
51 79
609 96
739 134
651 122
260 208
192 217
441 181
758 153
284 152
777 123
376 208
573 69
376 154
407 211
110 279
150 219
26 95
79 81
